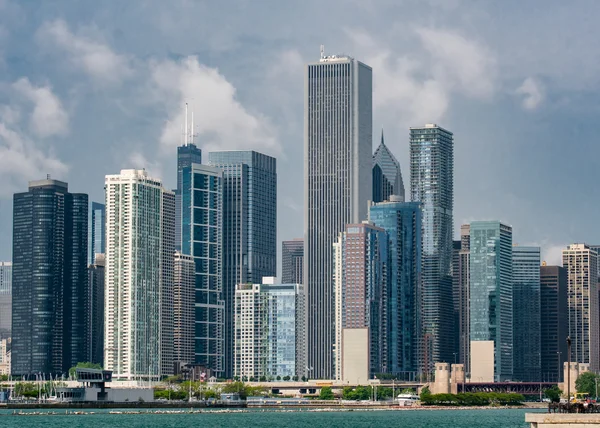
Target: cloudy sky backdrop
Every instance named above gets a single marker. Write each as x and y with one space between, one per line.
88 88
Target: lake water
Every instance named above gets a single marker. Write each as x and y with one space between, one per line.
498 418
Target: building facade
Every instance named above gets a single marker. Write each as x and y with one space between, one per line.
249 227
269 331
361 287
140 243
202 238
526 314
402 221
49 280
95 311
387 176
554 321
460 285
187 154
431 183
97 238
5 299
338 132
292 261
184 291
581 263
491 282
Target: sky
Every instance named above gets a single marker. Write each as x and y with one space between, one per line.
90 88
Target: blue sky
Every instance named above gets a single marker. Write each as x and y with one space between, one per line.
88 88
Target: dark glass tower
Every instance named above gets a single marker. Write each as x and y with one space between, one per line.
249 227
402 222
50 233
292 261
431 183
95 311
187 155
97 232
387 177
554 321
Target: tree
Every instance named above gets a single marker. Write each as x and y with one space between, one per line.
84 365
424 393
586 383
295 378
211 393
553 394
326 393
243 389
278 377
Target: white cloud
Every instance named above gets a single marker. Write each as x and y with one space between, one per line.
95 58
533 93
21 161
48 117
221 121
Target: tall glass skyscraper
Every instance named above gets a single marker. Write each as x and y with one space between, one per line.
491 282
95 311
402 221
526 314
5 299
431 183
338 133
50 233
249 227
554 321
202 239
187 155
140 246
292 261
387 177
97 232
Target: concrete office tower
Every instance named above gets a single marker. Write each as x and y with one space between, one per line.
431 183
387 177
526 314
361 287
581 263
97 238
460 285
202 238
49 281
554 321
402 221
95 311
187 154
5 299
249 226
491 308
338 128
184 284
140 243
292 261
269 330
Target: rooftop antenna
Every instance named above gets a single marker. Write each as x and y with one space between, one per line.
192 130
185 132
322 51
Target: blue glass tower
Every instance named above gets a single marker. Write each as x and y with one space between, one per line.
526 314
97 231
187 155
202 232
491 282
249 227
50 233
402 222
387 176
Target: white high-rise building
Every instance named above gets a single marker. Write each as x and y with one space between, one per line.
338 128
183 308
140 243
5 298
581 263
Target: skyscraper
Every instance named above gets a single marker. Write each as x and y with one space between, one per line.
491 307
292 261
338 127
461 296
581 263
554 321
361 293
50 233
202 238
431 183
387 177
139 276
97 232
402 221
183 308
5 298
95 311
526 314
249 227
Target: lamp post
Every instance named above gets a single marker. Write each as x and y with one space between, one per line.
569 369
